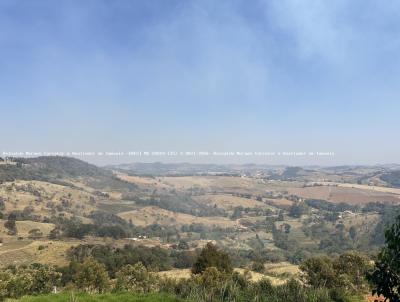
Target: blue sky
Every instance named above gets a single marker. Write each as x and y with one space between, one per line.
222 75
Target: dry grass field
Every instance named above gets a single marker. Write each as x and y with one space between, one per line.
229 202
143 180
150 215
25 226
19 194
343 194
217 183
18 252
282 268
25 252
364 187
281 202
254 276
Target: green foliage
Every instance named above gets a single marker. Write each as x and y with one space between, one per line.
35 234
2 204
388 217
115 297
392 178
181 202
211 256
353 232
347 272
322 204
319 272
91 277
11 225
351 269
34 279
298 209
386 275
136 278
114 259
74 228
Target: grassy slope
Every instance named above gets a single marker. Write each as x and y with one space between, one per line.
127 297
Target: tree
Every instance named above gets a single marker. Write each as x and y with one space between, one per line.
386 274
319 272
44 278
298 209
5 277
55 233
237 213
352 267
211 256
2 204
33 279
35 234
346 272
135 278
183 245
353 232
258 266
287 228
92 277
11 225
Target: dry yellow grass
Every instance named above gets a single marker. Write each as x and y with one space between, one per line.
150 215
282 202
185 274
24 227
18 252
219 183
141 180
176 273
228 202
282 268
26 252
363 187
254 276
349 195
20 199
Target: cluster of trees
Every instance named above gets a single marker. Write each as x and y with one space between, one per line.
11 225
321 204
386 275
392 178
153 258
183 203
346 272
33 279
105 225
211 256
213 279
298 209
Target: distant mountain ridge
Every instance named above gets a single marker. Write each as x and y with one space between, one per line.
49 167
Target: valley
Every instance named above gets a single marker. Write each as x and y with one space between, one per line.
268 219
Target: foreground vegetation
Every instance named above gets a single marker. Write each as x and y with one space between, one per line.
68 226
213 279
83 297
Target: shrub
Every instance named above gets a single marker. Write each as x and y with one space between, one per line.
34 279
136 278
91 277
211 256
386 275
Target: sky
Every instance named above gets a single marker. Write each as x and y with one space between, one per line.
202 75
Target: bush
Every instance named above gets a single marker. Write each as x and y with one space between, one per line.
211 256
386 274
34 279
91 277
136 278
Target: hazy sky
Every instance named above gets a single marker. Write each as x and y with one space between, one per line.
206 75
